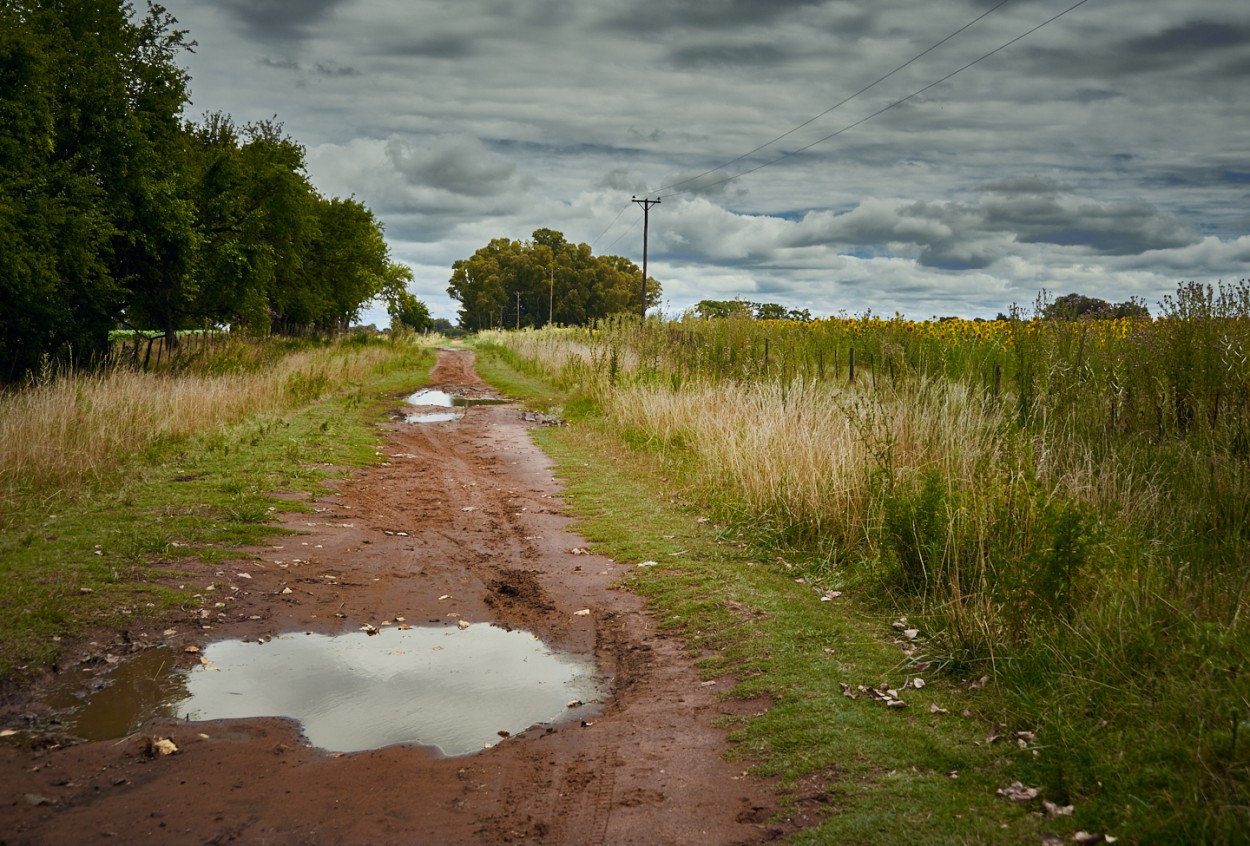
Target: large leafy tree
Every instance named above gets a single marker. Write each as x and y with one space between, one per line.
90 211
545 280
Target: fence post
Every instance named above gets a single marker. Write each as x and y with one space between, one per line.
998 381
851 378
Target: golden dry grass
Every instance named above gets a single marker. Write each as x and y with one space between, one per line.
74 428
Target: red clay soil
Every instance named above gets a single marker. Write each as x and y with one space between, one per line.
483 522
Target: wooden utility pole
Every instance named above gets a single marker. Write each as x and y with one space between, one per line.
646 220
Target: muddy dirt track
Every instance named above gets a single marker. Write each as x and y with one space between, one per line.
466 510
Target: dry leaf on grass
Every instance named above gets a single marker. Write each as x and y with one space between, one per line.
1055 810
1017 792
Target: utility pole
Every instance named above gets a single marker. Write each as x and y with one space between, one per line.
518 311
646 220
551 298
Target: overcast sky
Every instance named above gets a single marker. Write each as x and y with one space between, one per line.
1107 153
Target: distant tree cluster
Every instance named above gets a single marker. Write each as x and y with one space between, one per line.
1081 307
544 280
713 309
113 208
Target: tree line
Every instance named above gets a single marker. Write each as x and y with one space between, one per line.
115 210
545 281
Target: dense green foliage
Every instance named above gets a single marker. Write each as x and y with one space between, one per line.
114 209
721 309
544 281
1078 307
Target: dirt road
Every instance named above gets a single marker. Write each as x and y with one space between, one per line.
466 510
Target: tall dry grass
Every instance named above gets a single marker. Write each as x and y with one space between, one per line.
72 429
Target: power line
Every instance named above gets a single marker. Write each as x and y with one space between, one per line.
624 233
884 109
848 99
610 225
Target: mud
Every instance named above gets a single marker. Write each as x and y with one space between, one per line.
462 521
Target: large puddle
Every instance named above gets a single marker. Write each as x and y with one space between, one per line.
457 690
430 397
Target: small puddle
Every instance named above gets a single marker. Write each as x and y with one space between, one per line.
430 396
432 417
458 691
442 399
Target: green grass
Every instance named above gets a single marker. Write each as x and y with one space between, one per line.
120 551
873 774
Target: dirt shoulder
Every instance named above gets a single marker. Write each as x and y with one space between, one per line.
466 510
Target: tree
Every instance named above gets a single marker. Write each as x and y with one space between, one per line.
544 280
90 212
404 308
1079 307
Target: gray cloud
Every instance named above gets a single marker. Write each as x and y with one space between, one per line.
1103 154
455 164
650 16
278 20
714 55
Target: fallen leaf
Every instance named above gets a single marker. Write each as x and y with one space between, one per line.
191 650
7 733
1084 837
1017 792
1058 810
577 550
165 746
463 624
1052 840
649 564
911 634
896 703
917 683
585 612
286 591
846 690
937 709
444 596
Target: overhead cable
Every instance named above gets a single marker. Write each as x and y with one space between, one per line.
884 109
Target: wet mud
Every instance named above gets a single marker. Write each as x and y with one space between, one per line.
461 525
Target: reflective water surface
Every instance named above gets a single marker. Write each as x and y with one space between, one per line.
457 690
